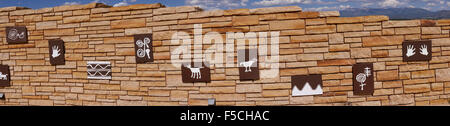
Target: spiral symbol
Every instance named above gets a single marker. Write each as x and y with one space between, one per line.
13 34
139 43
140 53
361 77
146 40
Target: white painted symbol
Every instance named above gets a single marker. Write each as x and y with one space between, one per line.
410 51
146 49
367 71
362 77
307 90
14 34
55 51
3 76
195 72
248 64
98 70
423 50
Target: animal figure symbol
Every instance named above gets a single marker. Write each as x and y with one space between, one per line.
55 51
248 64
3 76
140 52
195 72
410 51
14 34
362 77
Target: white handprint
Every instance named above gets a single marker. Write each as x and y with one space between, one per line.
55 51
410 51
423 50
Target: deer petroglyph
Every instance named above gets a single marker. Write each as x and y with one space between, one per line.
248 64
195 72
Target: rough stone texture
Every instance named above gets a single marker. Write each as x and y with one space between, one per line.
309 38
46 25
431 30
287 24
309 43
382 41
420 88
360 52
320 29
401 99
339 20
76 19
349 27
387 75
375 18
329 14
410 23
409 30
245 20
442 75
130 23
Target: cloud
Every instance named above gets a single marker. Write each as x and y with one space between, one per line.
327 8
71 3
390 3
366 4
343 7
342 0
217 4
431 4
123 3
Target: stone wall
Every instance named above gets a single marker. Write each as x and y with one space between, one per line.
310 43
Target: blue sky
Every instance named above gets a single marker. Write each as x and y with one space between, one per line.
309 5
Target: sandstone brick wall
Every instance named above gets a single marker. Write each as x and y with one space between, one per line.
310 43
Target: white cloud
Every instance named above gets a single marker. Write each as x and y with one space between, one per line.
431 4
327 2
342 0
327 8
123 3
216 4
71 3
448 4
343 7
390 3
366 4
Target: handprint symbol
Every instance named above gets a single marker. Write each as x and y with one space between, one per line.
410 51
55 51
423 50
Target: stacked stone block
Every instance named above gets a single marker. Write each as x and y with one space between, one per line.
310 43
